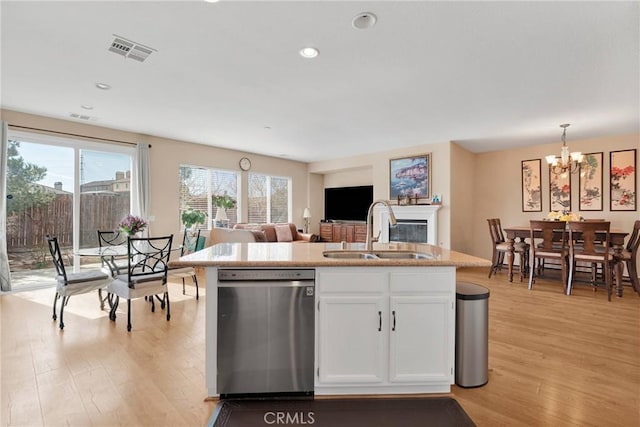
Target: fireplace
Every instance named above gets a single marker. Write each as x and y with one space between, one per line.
409 230
423 218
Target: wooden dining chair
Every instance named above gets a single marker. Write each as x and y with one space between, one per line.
590 242
552 247
629 256
146 275
69 284
501 247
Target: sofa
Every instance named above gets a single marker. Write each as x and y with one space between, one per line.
225 235
285 232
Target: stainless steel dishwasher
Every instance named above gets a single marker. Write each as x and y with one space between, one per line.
265 332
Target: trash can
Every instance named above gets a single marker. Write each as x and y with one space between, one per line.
472 335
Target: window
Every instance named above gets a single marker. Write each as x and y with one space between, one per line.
269 198
66 187
198 184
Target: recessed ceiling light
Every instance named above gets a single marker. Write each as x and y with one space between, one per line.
103 86
364 20
211 1
309 52
87 106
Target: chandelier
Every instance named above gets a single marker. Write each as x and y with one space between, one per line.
566 162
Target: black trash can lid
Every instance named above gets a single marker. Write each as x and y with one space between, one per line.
471 291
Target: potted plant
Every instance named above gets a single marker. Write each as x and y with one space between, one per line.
223 201
191 217
132 225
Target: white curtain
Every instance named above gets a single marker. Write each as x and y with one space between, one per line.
5 275
141 205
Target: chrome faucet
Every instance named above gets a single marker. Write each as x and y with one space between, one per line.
392 221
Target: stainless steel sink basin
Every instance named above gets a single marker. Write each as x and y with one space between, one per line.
401 255
349 255
375 255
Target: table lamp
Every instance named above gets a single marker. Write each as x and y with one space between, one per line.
306 214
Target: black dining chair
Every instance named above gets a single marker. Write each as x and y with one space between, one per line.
190 243
146 275
69 284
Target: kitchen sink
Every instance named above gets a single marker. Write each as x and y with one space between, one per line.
375 255
401 255
349 255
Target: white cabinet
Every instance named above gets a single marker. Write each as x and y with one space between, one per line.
419 339
385 329
351 342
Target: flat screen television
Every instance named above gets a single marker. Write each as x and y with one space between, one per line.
347 203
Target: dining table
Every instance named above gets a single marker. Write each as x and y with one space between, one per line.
616 238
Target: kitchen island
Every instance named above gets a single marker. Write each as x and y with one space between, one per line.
384 319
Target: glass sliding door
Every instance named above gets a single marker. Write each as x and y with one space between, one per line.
67 188
39 202
105 193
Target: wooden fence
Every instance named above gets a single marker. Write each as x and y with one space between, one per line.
98 211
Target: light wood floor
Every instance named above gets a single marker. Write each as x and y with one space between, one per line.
554 360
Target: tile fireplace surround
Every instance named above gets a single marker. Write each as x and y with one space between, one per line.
415 212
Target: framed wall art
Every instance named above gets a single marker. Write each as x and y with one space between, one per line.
410 177
622 180
590 182
531 189
559 191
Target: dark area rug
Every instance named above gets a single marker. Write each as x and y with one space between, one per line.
401 412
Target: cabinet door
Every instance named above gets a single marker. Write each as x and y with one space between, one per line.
326 232
420 338
349 230
351 339
360 234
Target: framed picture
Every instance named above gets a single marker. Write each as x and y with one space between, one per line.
531 197
622 180
590 182
410 177
559 191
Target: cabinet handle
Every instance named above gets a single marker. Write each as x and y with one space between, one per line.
379 321
393 328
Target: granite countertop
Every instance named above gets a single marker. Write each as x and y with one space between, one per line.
311 255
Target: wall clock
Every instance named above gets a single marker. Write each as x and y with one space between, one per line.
245 164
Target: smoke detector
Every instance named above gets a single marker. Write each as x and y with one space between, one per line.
130 49
364 21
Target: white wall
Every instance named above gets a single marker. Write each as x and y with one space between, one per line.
166 155
338 172
497 187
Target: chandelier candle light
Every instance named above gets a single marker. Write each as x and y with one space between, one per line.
567 162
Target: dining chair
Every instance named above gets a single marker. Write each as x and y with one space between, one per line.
190 243
112 238
590 242
146 275
552 247
501 247
629 256
68 284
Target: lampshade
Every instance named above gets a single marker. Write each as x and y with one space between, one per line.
221 215
306 213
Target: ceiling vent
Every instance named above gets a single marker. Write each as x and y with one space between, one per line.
79 116
130 49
